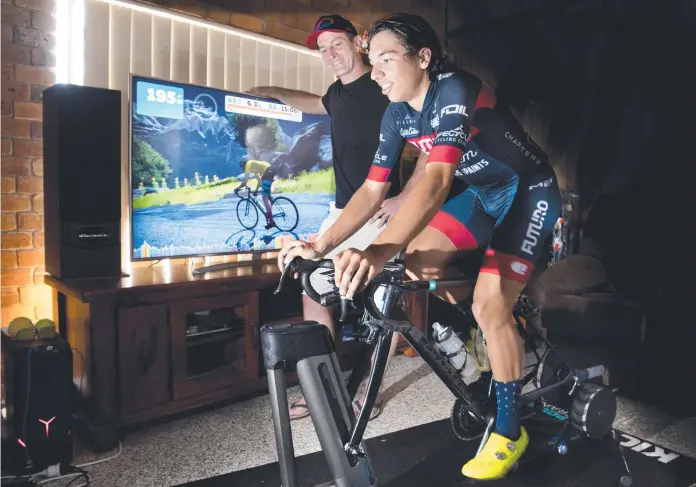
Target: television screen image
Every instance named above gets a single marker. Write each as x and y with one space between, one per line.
217 172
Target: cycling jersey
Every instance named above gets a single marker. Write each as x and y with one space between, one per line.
460 124
505 196
256 167
264 170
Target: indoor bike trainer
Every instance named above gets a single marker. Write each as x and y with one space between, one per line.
564 395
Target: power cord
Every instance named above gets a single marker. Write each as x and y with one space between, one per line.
81 473
72 472
120 449
56 472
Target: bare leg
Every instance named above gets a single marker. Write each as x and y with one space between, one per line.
494 298
269 211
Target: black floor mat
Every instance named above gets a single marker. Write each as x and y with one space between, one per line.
430 455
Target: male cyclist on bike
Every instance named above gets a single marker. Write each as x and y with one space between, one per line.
264 175
509 206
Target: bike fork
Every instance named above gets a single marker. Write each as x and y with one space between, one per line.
373 385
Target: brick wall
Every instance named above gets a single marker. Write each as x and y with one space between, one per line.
291 20
28 28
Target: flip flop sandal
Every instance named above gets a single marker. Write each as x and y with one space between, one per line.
295 405
376 409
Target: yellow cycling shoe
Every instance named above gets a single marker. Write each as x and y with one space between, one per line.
497 457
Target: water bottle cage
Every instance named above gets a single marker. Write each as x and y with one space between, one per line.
454 354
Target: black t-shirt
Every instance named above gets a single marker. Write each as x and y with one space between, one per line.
356 111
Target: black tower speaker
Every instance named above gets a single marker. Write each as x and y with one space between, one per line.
82 181
38 404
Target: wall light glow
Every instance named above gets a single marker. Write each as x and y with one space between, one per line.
70 41
208 24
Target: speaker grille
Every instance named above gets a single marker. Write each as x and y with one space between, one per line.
82 180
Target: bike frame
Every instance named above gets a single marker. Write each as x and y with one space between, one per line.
254 200
280 211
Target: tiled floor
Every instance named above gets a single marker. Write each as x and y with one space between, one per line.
241 436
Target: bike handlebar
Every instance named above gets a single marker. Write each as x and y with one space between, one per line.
247 188
392 275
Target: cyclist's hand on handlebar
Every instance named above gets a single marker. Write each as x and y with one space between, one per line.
296 248
354 268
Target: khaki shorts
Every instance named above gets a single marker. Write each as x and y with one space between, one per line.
360 240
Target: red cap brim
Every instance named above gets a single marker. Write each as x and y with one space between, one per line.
311 41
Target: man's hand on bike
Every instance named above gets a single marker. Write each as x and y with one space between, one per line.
387 211
353 269
296 248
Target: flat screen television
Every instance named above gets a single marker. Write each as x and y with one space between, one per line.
189 148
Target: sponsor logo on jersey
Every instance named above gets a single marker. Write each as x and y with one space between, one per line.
435 122
519 267
424 143
444 75
456 136
379 159
409 132
468 155
381 138
475 167
407 120
525 151
535 224
454 110
543 184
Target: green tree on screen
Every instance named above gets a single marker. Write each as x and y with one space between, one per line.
148 164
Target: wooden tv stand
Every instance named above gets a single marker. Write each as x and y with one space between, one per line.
164 341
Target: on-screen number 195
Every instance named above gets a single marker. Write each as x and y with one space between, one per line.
161 96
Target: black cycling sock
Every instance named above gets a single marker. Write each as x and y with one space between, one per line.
508 419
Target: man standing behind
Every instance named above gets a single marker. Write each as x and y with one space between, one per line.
355 104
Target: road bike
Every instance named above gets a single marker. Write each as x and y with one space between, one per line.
573 399
285 214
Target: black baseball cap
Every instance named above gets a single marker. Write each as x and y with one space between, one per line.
329 23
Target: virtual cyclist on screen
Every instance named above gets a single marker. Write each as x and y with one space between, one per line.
264 176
